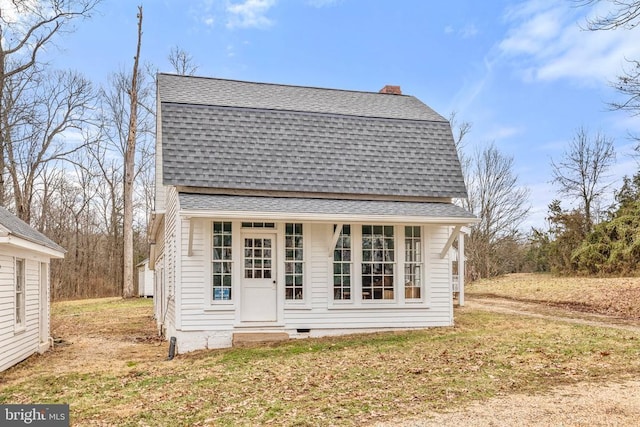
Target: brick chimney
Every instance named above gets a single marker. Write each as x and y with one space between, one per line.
393 90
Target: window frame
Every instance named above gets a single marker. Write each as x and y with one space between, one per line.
399 301
393 263
231 270
294 261
421 262
19 274
351 263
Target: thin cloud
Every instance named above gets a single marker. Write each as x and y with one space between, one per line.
322 3
502 132
468 31
545 42
249 14
205 12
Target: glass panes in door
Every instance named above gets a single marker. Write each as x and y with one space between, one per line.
258 258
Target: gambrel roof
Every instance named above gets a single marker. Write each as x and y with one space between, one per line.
13 226
232 135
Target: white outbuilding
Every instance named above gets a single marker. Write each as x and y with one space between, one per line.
25 255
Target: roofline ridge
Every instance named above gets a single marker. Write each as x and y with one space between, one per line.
282 85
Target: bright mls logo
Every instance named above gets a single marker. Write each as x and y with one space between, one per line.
34 415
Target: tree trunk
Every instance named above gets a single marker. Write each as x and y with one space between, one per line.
129 164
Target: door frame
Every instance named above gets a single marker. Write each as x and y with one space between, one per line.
274 234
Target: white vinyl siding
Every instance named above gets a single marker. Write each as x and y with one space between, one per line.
172 240
205 321
433 309
19 343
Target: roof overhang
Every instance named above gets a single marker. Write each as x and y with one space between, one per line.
321 210
18 242
157 218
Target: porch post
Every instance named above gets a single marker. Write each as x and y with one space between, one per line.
461 262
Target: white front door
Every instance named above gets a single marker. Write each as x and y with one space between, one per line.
259 290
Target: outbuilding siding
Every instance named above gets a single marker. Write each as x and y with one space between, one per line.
17 345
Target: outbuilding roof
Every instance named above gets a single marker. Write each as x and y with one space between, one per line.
17 227
227 134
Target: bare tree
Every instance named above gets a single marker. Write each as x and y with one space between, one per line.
500 203
623 14
460 131
129 170
182 62
46 107
628 84
582 171
26 28
109 154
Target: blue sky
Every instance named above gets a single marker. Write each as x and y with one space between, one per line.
523 73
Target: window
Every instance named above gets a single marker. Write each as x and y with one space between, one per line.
413 262
222 261
377 262
20 293
258 225
342 265
257 258
293 262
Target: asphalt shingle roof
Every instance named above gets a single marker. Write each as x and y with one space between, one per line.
19 228
267 96
238 135
296 205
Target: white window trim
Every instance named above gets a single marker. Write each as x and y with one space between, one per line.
423 240
399 300
395 301
20 327
230 304
331 292
305 302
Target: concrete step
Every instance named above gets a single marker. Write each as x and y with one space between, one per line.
243 339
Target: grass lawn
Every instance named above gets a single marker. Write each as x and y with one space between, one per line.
610 296
113 372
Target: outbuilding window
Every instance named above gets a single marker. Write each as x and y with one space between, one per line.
20 293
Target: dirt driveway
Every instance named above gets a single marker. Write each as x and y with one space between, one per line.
579 405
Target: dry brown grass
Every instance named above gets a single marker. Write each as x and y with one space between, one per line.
114 372
619 297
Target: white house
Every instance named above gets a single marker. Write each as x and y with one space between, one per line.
24 289
300 212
